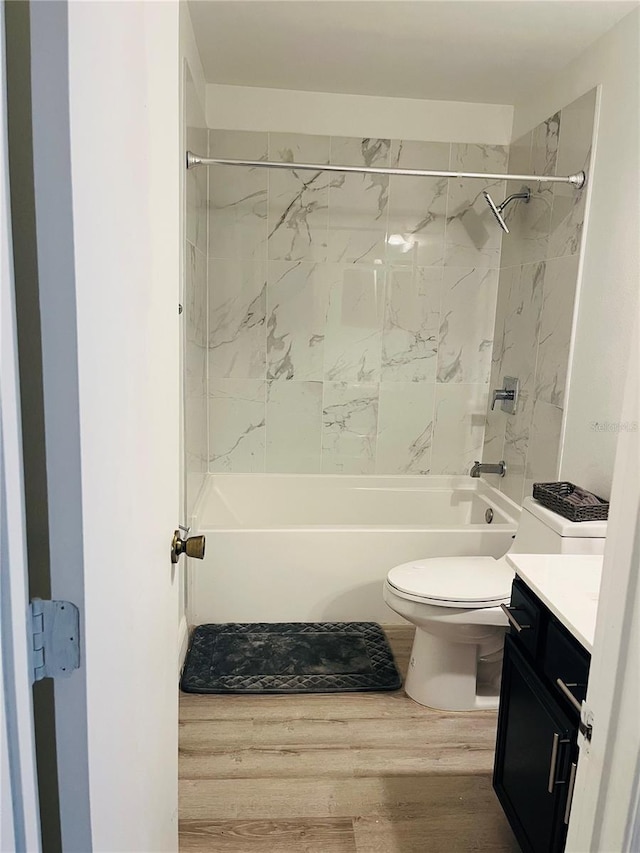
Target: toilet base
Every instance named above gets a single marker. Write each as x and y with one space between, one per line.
451 676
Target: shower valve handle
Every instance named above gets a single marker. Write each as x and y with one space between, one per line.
502 394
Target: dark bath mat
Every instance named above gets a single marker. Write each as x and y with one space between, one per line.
289 657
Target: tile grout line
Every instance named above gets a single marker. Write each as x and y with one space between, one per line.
329 286
442 285
266 308
208 301
385 290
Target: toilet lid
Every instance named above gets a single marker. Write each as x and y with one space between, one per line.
456 581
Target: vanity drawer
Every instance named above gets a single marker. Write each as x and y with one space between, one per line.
524 614
565 659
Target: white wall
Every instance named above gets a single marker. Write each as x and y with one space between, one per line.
611 260
289 111
189 52
193 242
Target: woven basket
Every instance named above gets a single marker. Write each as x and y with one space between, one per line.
553 496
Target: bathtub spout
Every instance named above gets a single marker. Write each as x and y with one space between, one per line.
480 468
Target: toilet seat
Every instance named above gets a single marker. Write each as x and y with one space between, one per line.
463 582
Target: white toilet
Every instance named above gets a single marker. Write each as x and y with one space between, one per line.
454 602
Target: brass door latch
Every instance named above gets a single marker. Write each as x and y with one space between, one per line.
192 546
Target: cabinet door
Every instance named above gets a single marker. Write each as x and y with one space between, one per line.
535 742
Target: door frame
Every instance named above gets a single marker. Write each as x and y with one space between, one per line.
56 287
19 807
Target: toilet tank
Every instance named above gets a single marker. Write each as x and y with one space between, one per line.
542 531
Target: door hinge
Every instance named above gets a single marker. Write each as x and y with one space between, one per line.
586 722
55 647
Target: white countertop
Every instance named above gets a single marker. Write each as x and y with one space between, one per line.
568 584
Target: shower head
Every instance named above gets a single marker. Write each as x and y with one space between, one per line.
496 212
525 193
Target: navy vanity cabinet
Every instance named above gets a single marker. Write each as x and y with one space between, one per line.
533 756
536 749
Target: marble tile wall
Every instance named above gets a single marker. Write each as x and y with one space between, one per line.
350 316
195 307
536 296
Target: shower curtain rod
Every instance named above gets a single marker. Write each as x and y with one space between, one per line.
578 180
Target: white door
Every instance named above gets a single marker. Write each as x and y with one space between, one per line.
107 166
19 817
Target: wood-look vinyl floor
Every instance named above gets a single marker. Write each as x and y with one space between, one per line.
340 773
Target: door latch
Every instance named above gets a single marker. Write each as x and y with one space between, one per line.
192 546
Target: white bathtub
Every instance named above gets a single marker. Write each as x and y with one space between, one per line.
317 547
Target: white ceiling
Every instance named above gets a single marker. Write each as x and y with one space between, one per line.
461 50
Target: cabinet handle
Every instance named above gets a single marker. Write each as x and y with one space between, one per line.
512 620
557 740
565 689
572 782
554 761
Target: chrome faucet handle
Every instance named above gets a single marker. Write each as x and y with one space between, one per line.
508 395
502 394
